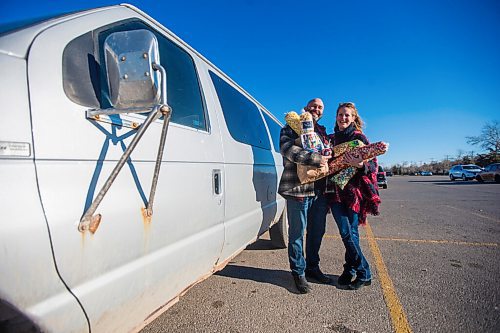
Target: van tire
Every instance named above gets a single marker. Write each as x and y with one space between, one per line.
279 232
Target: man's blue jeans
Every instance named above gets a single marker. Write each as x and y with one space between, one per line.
306 214
347 222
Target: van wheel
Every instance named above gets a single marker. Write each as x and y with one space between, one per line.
452 178
279 232
479 179
385 186
463 177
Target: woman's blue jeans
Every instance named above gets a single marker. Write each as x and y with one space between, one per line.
347 222
309 214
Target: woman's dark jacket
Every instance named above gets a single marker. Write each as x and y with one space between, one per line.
361 192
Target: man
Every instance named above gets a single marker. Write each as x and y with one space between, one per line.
306 204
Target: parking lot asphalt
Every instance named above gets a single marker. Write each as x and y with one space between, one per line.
434 252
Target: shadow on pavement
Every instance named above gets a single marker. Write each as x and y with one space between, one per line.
261 244
277 277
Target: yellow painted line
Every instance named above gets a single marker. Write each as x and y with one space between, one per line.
431 241
476 214
396 311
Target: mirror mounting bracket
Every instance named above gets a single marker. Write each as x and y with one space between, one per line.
89 221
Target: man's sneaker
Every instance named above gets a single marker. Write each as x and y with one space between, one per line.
344 279
317 275
301 284
356 284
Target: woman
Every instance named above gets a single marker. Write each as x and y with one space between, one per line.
359 197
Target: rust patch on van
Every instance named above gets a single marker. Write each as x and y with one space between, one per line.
156 313
83 238
146 217
91 224
220 266
217 267
94 223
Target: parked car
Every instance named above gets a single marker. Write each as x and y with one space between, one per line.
388 173
464 171
381 178
491 173
425 173
83 247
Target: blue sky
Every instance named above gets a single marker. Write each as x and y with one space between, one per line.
424 74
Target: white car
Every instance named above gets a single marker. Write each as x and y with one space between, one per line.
106 218
464 172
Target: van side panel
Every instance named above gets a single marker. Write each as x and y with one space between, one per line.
216 192
131 266
25 249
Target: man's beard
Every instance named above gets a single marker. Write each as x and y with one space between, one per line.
315 117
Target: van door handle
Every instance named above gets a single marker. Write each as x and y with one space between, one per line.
217 181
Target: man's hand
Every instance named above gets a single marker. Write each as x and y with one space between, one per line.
324 160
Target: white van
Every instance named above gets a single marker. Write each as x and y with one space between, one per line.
131 168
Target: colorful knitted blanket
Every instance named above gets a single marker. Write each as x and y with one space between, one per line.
342 177
346 146
365 152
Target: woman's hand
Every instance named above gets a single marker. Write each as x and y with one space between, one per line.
353 160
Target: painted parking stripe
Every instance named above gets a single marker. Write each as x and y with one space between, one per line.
428 241
396 311
437 241
398 316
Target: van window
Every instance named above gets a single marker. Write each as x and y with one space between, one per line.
275 130
84 76
243 118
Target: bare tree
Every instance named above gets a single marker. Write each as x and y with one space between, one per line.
489 139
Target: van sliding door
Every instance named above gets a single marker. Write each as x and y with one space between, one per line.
251 178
